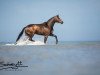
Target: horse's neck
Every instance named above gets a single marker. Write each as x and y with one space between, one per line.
51 23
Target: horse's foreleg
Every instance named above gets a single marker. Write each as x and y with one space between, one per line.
55 37
45 39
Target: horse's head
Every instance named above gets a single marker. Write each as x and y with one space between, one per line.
57 19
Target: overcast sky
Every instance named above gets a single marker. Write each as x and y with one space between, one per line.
81 18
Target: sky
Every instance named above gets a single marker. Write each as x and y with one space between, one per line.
81 18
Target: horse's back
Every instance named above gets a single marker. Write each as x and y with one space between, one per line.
30 25
41 24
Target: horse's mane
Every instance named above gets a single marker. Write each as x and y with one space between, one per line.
50 19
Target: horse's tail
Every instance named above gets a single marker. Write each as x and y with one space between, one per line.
20 34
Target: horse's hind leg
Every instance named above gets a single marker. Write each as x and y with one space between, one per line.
30 36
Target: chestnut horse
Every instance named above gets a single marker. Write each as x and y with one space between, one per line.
45 29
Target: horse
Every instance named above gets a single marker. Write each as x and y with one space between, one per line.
45 29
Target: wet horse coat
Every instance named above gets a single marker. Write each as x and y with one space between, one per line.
45 29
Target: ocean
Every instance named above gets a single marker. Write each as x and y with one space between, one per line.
65 58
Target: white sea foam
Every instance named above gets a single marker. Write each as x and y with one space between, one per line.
10 44
26 42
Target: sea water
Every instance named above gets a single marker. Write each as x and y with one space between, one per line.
65 58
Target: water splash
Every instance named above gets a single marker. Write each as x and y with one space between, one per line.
24 40
28 42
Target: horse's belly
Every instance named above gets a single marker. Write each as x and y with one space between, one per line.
43 32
